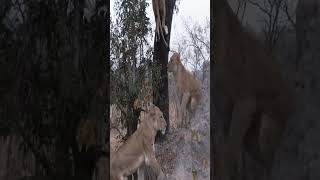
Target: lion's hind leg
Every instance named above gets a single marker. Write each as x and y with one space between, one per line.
270 135
158 36
155 5
163 16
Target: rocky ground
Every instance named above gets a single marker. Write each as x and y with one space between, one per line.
185 154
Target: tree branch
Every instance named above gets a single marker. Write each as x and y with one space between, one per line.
286 11
260 7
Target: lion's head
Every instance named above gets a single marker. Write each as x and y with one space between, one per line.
174 62
155 116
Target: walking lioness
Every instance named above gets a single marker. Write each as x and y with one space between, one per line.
252 99
188 86
139 150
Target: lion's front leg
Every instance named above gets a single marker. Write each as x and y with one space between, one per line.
153 163
179 114
141 172
184 101
241 120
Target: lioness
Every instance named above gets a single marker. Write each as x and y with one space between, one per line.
139 148
252 100
188 87
159 10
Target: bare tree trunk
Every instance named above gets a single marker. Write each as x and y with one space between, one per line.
159 74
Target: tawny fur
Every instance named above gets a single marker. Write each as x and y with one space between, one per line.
189 88
159 10
253 102
139 150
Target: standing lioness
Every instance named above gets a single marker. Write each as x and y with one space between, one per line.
188 86
139 148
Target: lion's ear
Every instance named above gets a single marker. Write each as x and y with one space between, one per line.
137 104
177 56
152 109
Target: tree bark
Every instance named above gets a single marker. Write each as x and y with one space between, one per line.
159 75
